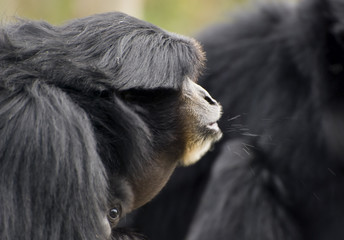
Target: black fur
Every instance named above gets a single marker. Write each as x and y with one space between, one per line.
279 173
84 108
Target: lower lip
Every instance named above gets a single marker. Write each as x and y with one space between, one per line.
213 126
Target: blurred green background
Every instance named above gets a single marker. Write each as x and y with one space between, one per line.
182 16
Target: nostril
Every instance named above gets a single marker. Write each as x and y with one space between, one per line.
210 100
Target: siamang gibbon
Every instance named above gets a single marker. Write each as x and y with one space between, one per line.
95 115
278 173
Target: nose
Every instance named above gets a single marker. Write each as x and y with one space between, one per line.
208 98
205 95
197 90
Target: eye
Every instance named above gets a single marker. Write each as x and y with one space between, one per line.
115 213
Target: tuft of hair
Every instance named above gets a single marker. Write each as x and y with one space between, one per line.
137 53
50 170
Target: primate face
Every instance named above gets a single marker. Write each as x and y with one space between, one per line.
201 115
183 126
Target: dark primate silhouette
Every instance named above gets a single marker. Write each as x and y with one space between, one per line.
94 117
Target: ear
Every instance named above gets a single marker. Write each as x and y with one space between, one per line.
52 180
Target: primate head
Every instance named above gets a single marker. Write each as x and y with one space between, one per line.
133 88
157 116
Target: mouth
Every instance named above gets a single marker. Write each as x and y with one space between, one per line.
214 131
213 126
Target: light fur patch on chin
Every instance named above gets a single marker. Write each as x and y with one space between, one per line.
195 152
